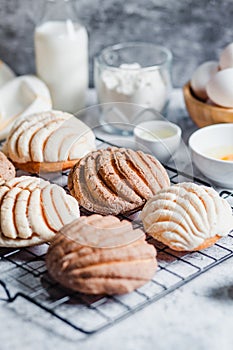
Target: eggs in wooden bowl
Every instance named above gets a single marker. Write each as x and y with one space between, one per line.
209 93
205 113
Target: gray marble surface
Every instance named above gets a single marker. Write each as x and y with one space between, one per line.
197 316
195 31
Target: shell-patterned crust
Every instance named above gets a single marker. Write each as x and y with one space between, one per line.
116 180
49 140
101 255
187 217
32 210
7 169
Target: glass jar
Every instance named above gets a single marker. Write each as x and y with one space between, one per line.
135 79
61 52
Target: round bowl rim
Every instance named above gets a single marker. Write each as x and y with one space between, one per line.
178 131
98 59
214 126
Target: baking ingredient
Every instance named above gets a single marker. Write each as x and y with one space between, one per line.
226 57
132 84
201 77
61 49
221 153
220 88
157 134
228 157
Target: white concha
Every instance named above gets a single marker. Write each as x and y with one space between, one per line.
20 97
187 216
49 137
32 210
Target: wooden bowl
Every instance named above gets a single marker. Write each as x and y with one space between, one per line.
204 114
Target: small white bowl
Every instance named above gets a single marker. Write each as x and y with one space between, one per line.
162 146
207 141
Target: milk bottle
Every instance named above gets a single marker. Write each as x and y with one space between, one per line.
61 50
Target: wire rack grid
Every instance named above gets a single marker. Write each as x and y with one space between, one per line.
23 275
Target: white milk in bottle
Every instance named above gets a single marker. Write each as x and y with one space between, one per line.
61 50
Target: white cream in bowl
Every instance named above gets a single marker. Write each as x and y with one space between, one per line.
161 138
212 153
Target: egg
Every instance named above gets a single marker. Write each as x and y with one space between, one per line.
220 88
226 57
201 76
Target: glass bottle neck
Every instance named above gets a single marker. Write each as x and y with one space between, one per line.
59 10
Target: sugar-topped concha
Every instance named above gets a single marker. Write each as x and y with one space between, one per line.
187 217
32 210
116 180
48 141
101 255
7 169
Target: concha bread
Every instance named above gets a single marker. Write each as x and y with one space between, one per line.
116 180
6 73
49 141
20 97
7 169
187 217
32 210
101 255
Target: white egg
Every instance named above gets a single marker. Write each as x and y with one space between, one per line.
226 57
220 88
201 76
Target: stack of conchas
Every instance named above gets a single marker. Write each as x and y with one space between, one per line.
103 255
98 254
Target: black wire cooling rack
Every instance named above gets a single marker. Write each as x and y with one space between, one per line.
24 279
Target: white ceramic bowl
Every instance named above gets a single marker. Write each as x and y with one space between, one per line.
161 147
203 142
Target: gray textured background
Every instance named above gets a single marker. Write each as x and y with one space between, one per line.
195 30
